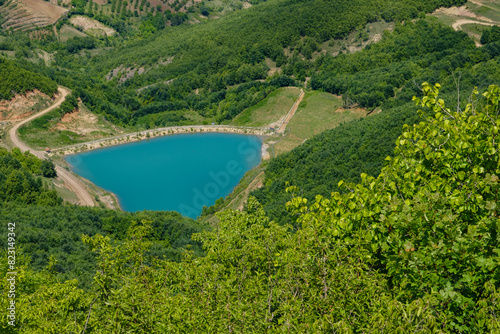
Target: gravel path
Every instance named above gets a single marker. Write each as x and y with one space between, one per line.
71 182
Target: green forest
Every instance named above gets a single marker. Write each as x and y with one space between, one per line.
211 68
386 224
17 80
413 249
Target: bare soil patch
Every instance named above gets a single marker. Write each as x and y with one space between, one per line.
22 106
461 12
92 26
51 11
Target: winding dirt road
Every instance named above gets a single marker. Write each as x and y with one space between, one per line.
71 182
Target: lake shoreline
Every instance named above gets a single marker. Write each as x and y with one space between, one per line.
95 169
161 132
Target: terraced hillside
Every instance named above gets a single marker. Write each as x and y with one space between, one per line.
29 14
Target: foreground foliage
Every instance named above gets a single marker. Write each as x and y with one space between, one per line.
412 250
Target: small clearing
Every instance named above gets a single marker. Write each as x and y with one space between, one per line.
47 57
461 12
471 18
83 122
272 67
91 26
459 23
66 32
124 73
51 11
29 14
318 111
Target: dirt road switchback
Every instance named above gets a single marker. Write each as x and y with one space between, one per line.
71 182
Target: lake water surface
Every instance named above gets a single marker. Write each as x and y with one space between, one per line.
179 172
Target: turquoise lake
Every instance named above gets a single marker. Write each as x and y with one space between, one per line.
179 172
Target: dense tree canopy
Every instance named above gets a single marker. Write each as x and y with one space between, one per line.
46 228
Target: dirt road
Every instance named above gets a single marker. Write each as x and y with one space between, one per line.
291 113
71 182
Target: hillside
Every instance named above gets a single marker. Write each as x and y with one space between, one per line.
414 249
213 70
50 231
29 14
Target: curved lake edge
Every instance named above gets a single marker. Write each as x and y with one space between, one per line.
146 136
160 132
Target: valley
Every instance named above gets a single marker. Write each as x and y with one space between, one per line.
249 166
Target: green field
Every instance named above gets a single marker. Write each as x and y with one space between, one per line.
269 110
317 112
